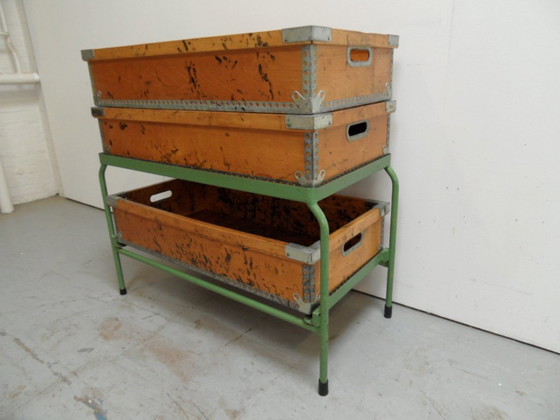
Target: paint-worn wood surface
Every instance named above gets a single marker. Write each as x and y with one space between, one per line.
275 71
241 238
257 145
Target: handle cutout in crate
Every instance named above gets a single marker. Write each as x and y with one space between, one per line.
359 56
352 244
161 196
357 130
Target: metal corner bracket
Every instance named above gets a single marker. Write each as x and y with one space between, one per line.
88 54
307 33
305 254
309 122
390 106
393 40
312 176
384 207
309 104
112 200
97 111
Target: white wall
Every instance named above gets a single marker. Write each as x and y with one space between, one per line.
474 139
24 144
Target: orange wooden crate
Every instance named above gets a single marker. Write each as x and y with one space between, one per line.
302 70
265 245
308 149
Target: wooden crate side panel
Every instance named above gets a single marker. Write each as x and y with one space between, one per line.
339 80
160 232
267 213
341 266
273 155
196 228
337 154
266 74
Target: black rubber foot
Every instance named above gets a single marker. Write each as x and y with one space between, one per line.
323 388
123 291
388 311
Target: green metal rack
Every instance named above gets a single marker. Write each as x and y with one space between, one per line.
318 320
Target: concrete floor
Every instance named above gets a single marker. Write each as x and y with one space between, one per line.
72 348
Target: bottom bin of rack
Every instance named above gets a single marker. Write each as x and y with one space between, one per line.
265 245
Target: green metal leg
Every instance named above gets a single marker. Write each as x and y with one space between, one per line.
111 226
324 303
392 241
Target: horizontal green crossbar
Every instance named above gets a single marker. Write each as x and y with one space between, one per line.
278 313
349 284
257 186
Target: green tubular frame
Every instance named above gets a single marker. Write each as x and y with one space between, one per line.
318 320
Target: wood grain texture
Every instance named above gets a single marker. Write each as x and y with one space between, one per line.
265 74
231 42
339 80
246 69
257 145
242 236
338 155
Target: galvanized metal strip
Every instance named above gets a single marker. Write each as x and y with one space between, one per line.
356 101
309 122
307 34
88 54
390 106
97 111
383 206
301 105
200 105
312 175
393 40
305 254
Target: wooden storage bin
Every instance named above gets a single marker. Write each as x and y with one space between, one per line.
302 70
265 245
309 149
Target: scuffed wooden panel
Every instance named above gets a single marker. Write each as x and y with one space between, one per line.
241 75
241 237
258 145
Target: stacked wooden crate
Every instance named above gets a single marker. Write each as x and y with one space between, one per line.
300 106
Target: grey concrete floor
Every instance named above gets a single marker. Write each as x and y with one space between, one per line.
72 348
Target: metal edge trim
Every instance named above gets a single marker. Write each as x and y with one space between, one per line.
393 40
307 34
305 254
88 54
355 101
112 200
390 106
309 122
383 206
98 111
314 105
201 105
